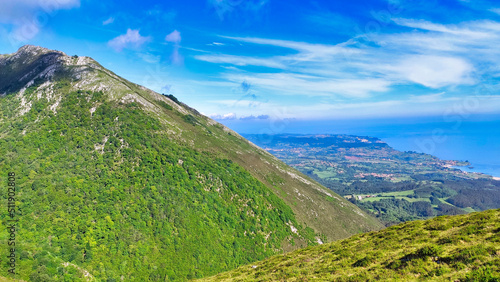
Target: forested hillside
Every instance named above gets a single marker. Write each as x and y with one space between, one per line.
116 182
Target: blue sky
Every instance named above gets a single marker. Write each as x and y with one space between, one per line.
261 60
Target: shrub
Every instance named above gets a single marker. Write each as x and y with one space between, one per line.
483 274
428 251
363 262
189 119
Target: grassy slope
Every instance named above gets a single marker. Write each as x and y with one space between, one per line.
448 248
56 159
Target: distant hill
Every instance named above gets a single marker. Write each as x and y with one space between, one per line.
115 182
447 248
395 186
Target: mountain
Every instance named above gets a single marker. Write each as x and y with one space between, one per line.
446 248
116 182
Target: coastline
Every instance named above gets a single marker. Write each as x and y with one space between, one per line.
479 168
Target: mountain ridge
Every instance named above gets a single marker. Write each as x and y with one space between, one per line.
84 136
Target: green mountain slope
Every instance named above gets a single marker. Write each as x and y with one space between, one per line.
447 248
117 182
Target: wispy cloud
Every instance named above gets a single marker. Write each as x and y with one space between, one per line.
252 117
28 17
495 10
150 58
241 103
241 61
14 10
175 37
233 116
110 20
132 39
223 8
312 50
306 85
229 116
422 53
427 105
434 71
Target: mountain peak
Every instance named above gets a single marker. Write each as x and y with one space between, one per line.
19 70
36 50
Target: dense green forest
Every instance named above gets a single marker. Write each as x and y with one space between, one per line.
110 193
447 248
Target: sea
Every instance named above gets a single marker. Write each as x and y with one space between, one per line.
474 138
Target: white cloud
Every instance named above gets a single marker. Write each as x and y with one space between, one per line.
174 37
452 58
229 116
110 20
132 39
241 103
428 106
435 71
468 38
433 55
429 98
225 7
305 85
450 29
28 17
495 10
12 10
176 57
149 58
252 117
240 61
318 51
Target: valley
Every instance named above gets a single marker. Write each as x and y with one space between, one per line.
392 185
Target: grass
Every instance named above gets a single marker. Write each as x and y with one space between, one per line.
448 248
469 209
398 195
325 173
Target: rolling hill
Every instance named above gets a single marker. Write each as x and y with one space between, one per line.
116 182
446 248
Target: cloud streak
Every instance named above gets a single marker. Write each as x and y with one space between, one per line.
28 17
223 8
175 37
422 53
